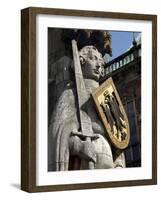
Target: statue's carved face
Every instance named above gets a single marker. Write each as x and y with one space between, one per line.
92 64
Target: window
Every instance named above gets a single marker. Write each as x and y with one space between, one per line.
114 66
124 61
132 153
131 57
110 69
121 63
127 59
117 65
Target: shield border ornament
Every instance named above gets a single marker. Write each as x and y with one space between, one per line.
96 97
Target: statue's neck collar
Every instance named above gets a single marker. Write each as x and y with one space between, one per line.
91 85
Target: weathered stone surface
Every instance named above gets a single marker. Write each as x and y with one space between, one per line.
56 77
65 121
58 67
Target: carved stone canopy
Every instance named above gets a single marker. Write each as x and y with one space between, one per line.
99 38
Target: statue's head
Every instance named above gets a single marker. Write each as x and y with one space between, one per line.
92 63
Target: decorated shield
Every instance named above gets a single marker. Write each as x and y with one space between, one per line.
112 114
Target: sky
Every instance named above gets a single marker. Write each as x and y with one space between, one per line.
121 41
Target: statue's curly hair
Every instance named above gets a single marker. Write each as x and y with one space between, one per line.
87 51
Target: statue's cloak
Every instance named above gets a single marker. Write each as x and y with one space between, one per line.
63 122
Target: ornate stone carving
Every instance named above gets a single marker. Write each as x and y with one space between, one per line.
101 39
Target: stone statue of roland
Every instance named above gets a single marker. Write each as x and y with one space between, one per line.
70 151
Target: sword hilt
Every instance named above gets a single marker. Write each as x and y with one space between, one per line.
84 136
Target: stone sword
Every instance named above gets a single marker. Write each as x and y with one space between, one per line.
82 98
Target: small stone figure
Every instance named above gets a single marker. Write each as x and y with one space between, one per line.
71 150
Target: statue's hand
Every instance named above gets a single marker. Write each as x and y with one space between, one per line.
88 151
81 146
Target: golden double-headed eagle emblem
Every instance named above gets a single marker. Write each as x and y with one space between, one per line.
112 114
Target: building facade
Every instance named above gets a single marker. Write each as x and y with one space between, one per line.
126 73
